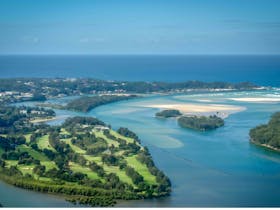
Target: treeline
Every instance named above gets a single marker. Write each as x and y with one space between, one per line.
43 88
16 119
75 193
201 123
269 134
86 103
164 184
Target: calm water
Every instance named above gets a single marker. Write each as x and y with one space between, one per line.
263 70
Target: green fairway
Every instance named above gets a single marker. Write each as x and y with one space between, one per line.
141 169
109 141
74 147
11 163
43 143
27 137
26 169
82 169
117 135
96 159
37 155
120 173
63 131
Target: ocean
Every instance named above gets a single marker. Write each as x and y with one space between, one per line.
262 70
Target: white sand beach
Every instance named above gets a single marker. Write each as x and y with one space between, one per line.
221 110
259 100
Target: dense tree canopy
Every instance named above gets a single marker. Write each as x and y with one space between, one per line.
268 134
201 123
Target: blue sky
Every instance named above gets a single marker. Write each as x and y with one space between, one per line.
139 27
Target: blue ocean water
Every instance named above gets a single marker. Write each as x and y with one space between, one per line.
262 70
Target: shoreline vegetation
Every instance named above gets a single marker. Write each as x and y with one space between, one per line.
83 159
267 135
40 89
201 123
87 103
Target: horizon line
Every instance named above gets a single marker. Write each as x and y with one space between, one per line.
135 54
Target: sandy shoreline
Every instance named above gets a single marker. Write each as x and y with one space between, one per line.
256 99
41 120
203 109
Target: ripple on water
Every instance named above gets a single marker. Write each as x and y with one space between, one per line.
164 141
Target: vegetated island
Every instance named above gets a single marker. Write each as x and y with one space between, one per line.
83 159
267 135
201 123
168 113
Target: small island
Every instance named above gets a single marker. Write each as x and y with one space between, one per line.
83 159
169 113
201 123
267 135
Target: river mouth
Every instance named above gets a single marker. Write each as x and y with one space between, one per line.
207 169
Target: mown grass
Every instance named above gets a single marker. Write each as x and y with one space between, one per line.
82 169
141 168
27 137
37 155
109 141
120 173
11 163
26 169
96 159
74 147
43 143
63 131
23 168
117 135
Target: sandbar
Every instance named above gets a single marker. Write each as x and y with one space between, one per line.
221 110
262 100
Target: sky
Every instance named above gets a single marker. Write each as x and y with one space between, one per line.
140 27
